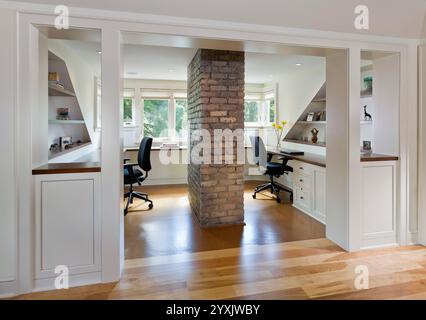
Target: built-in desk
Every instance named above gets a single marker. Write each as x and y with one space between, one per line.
320 160
378 178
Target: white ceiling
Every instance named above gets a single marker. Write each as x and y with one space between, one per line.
167 63
398 18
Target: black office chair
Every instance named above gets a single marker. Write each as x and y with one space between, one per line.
272 169
133 175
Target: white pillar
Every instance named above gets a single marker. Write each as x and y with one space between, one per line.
422 145
343 224
112 167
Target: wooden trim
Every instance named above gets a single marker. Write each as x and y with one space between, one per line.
73 167
378 157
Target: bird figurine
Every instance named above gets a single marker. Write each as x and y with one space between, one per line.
314 137
367 116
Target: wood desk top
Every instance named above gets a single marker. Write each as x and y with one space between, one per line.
71 167
319 160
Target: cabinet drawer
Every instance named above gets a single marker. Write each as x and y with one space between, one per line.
302 180
302 198
302 167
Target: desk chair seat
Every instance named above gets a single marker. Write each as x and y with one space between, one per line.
133 175
136 173
273 169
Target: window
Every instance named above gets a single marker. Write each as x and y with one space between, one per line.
271 106
129 107
271 109
156 118
259 108
181 117
251 111
128 110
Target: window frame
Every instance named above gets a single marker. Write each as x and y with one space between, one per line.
129 93
171 96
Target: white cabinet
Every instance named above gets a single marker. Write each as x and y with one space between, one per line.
67 227
309 189
378 204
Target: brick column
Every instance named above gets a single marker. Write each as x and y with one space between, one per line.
216 101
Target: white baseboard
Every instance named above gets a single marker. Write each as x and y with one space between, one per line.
7 289
309 214
75 280
413 238
379 242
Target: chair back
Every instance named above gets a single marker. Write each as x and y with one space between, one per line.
259 153
144 154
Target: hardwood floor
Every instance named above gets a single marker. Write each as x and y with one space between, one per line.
170 228
170 257
309 269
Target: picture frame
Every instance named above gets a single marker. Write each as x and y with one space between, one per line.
310 117
64 142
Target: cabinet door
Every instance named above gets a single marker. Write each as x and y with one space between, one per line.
67 224
319 194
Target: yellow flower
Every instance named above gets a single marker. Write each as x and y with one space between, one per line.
283 122
279 127
274 125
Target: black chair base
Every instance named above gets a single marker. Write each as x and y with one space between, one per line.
134 194
274 188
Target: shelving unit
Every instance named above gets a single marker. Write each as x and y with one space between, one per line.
55 90
54 121
366 121
312 122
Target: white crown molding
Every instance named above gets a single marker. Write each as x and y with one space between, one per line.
124 16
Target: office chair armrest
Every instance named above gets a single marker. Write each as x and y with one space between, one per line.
129 165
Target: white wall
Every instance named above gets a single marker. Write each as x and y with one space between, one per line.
83 78
386 105
296 90
8 101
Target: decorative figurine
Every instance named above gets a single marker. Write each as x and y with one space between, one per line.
314 132
367 116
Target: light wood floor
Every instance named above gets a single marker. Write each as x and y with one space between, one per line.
170 228
170 257
309 269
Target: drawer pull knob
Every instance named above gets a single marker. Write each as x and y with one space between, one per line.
301 168
301 180
301 197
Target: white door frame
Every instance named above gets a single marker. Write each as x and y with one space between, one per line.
111 26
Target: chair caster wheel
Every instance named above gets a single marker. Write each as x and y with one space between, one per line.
278 200
254 196
150 206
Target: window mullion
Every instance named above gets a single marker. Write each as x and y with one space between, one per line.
172 117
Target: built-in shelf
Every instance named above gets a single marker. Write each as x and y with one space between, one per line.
54 121
55 90
366 122
318 144
319 100
61 152
366 93
312 122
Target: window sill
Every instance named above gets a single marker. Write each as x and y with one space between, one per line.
254 125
